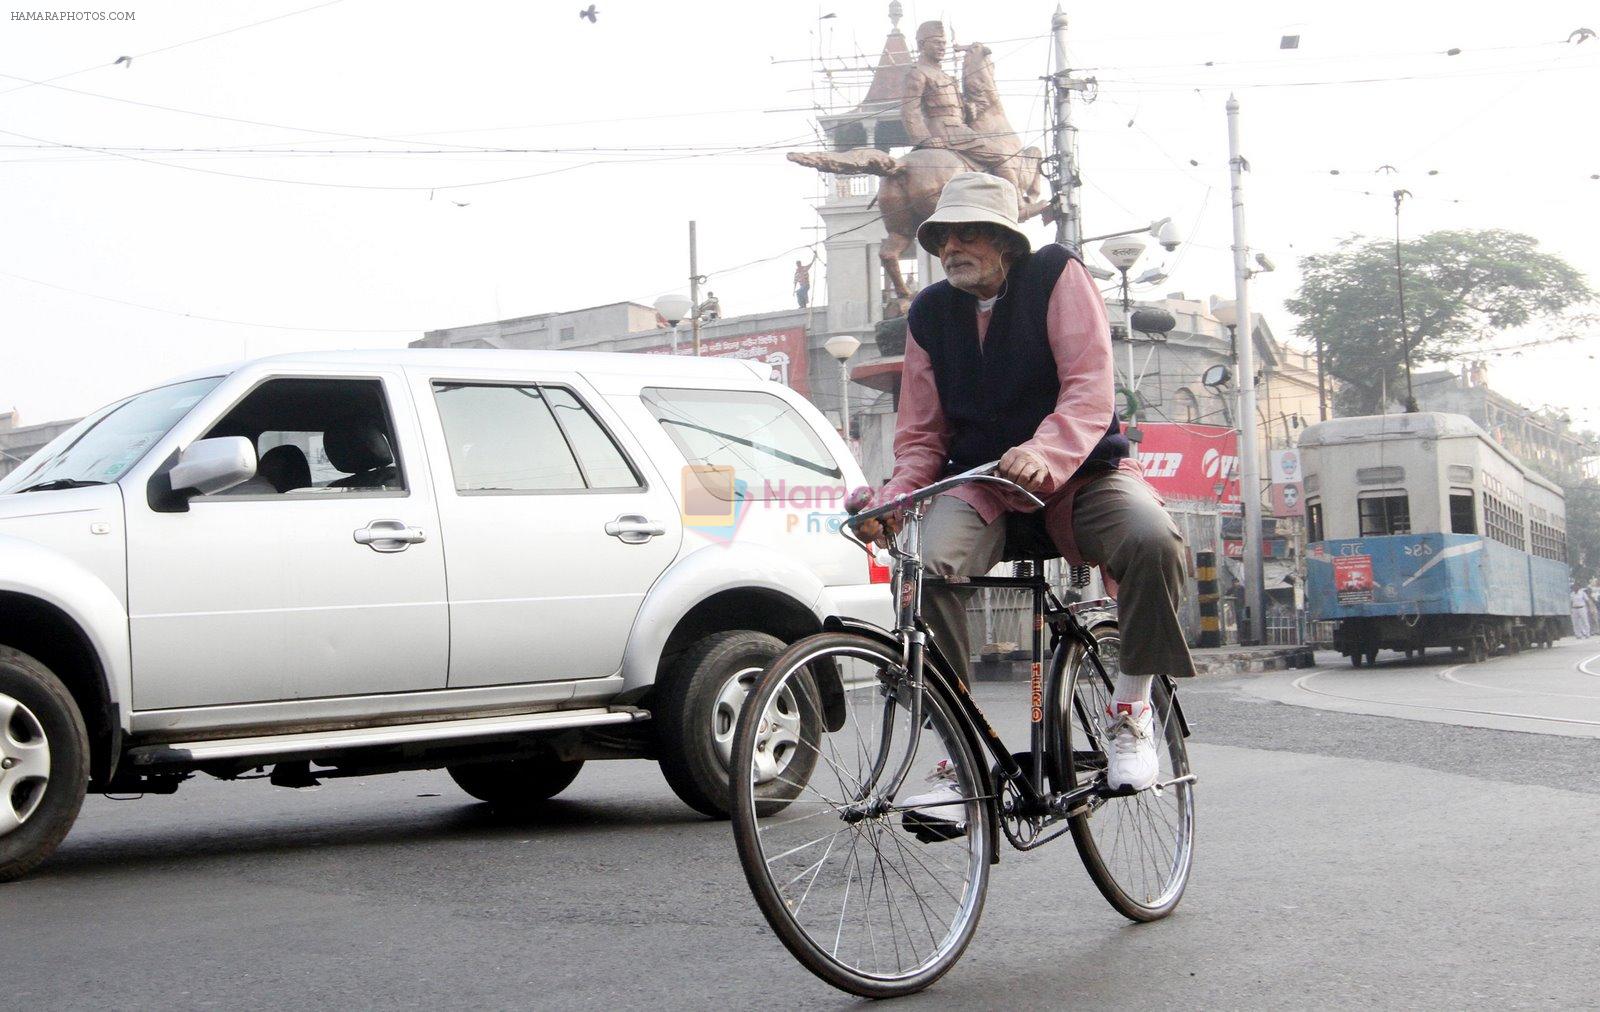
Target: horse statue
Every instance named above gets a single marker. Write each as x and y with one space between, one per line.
912 183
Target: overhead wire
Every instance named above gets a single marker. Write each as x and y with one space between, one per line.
198 316
179 45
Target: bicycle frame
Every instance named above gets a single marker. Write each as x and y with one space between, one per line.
910 633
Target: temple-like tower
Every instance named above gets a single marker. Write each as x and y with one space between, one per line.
849 212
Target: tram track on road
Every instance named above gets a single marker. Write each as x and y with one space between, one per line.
1303 684
1449 675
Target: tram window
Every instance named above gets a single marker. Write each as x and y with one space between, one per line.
1385 513
1463 512
1314 521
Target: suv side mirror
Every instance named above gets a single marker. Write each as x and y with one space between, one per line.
208 466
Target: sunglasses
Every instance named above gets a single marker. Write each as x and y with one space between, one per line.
967 233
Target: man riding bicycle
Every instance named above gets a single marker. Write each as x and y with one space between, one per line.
1010 358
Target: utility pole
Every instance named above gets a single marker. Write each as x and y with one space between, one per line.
694 290
1065 180
1400 282
1249 457
1322 388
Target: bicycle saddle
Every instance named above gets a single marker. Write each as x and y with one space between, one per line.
1027 540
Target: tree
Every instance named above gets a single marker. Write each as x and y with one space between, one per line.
1583 530
1460 286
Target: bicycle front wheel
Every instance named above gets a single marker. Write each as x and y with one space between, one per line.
876 891
1137 848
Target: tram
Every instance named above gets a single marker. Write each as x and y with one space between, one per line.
1423 532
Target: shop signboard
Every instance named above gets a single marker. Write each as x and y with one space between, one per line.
784 350
1191 462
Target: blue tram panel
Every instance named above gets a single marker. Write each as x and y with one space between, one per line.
1552 586
1397 575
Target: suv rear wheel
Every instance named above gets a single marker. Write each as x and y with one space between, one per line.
516 783
44 763
697 709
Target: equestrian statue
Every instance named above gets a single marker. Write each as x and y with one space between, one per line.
953 130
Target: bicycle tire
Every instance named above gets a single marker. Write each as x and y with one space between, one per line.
1138 849
929 889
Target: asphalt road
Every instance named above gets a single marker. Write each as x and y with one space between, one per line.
1343 859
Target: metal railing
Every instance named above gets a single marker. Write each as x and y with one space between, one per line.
855 186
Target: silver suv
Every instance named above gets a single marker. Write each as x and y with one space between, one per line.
500 563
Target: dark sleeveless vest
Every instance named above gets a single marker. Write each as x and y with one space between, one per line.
995 395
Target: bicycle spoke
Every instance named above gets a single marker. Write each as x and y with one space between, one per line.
803 846
1136 847
884 897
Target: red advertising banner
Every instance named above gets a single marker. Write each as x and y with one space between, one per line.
784 350
1191 461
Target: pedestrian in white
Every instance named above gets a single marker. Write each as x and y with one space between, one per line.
1580 613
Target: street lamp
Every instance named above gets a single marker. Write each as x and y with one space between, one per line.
673 307
841 347
1162 230
1123 253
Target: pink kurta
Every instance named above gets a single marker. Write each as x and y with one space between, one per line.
1080 340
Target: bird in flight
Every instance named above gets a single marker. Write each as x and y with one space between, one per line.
124 59
592 14
459 203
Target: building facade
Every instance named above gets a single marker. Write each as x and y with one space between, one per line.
1541 438
18 442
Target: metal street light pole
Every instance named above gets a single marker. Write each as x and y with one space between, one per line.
1249 455
842 347
1400 282
1069 219
694 289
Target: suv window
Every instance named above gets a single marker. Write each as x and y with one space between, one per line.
316 436
755 437
527 438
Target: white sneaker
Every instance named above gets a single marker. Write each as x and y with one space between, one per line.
1132 764
937 812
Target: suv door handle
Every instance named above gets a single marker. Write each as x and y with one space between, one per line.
633 529
389 536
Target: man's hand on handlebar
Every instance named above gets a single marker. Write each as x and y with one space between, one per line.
1026 468
880 533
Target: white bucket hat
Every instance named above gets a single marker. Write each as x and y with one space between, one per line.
974 197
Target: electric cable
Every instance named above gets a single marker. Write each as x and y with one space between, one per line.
180 45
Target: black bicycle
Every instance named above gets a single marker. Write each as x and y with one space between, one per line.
878 892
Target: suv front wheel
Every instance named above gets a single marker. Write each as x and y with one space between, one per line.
44 763
697 709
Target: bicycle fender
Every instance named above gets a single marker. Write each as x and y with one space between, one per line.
934 666
1177 705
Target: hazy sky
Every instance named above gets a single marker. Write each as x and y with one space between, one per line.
352 130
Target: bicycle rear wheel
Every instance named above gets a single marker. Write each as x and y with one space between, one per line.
878 900
1137 848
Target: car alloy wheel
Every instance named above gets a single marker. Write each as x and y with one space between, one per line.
24 764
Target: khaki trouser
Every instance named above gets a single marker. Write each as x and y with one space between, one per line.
1119 525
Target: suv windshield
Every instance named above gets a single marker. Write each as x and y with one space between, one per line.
104 445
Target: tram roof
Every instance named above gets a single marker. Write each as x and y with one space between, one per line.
1413 425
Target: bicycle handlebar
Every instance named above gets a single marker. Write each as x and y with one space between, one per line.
983 472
